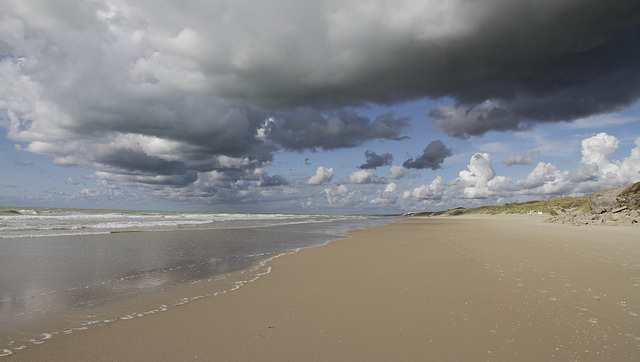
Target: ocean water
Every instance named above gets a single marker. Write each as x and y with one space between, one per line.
42 222
60 269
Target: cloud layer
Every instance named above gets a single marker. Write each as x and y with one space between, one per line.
202 94
595 172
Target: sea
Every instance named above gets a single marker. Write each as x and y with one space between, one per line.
67 270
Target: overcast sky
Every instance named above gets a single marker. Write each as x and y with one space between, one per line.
316 106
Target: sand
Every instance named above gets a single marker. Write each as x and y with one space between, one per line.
446 289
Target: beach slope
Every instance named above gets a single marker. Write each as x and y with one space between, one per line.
445 288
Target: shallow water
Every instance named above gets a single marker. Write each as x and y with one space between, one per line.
65 278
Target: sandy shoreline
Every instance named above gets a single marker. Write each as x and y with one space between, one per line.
450 288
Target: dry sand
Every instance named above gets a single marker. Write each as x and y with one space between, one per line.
446 289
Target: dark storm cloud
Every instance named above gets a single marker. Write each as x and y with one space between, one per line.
470 51
432 157
543 61
265 180
374 160
140 162
308 129
154 90
599 74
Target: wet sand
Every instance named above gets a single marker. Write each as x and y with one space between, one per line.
446 288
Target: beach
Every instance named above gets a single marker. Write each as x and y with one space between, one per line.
497 288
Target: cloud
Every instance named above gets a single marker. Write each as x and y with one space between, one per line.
432 157
434 191
24 163
601 121
525 159
363 177
597 149
388 196
595 172
157 94
150 106
323 175
479 181
572 78
630 167
308 129
343 197
374 160
397 172
545 178
263 179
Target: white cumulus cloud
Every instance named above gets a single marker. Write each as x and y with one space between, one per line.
362 177
397 172
387 196
323 175
434 191
344 197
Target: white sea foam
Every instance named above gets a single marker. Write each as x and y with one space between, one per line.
42 222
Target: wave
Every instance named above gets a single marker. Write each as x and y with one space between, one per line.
10 212
43 222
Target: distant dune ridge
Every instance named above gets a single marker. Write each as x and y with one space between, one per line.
615 206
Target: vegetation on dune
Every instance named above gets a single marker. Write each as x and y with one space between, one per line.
551 207
631 196
628 198
615 206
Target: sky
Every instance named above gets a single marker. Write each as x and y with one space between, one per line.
316 106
